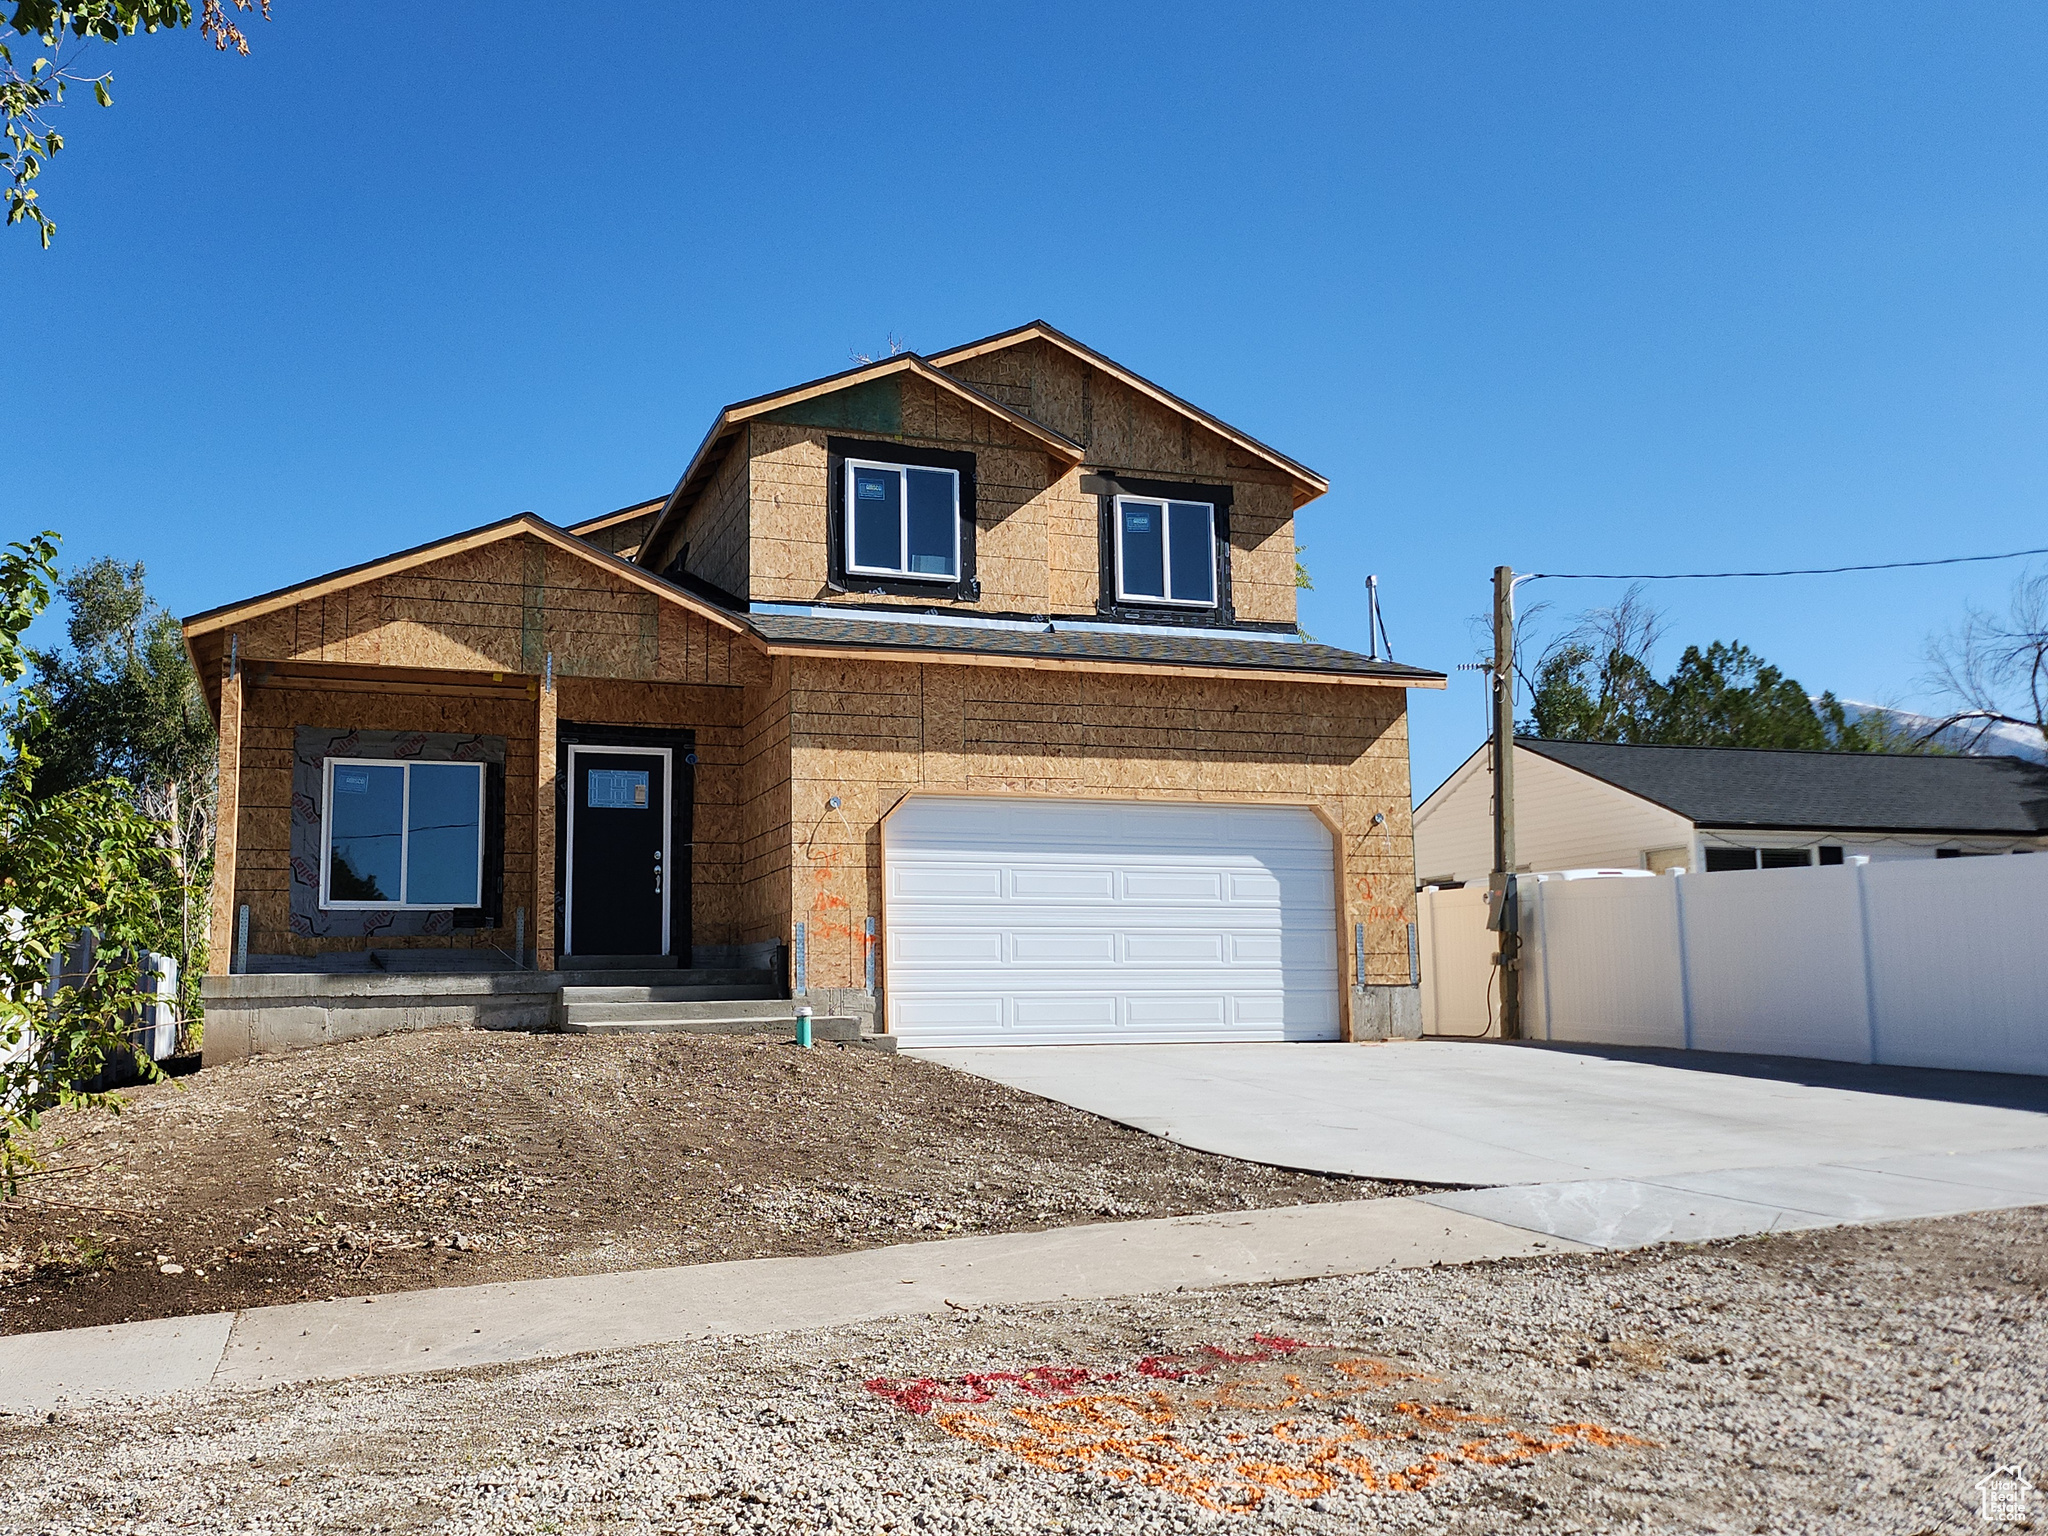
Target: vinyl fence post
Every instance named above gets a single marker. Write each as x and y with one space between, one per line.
1684 963
1543 954
1869 958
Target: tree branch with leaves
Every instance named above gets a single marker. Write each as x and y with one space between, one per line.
43 48
86 860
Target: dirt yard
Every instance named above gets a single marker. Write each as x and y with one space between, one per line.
1862 1380
455 1157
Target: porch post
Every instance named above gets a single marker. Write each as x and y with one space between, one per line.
220 937
544 824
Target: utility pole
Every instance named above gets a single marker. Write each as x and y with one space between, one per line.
1505 917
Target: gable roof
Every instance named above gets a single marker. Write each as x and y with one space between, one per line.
523 523
736 415
1753 788
1308 484
591 525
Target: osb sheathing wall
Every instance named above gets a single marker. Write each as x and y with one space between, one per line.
263 872
1123 430
506 606
790 555
621 656
871 732
765 886
716 529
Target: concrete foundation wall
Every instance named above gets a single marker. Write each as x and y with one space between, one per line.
264 1015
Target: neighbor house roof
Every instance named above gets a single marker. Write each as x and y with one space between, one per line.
1741 787
1308 484
736 415
1125 651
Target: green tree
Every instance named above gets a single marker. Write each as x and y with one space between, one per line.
84 859
124 704
1595 683
43 44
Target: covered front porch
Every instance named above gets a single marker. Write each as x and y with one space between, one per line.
499 781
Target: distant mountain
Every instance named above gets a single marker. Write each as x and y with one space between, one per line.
1975 738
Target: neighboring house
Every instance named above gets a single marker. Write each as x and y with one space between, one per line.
1581 804
991 655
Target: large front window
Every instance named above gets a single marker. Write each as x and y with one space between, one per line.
902 520
402 834
1165 551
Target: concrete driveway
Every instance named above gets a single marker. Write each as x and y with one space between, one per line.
1606 1146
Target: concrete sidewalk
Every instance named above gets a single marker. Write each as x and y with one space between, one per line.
1449 1112
434 1330
444 1329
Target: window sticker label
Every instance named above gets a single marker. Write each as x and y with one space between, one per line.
351 781
1138 522
617 789
870 490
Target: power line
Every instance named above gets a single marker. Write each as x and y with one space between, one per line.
1823 570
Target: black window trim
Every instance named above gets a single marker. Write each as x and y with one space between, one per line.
965 587
1106 486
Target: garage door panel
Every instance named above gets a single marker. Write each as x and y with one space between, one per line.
1072 949
1177 1011
1066 1012
1173 949
943 882
1057 884
1028 922
946 947
1204 886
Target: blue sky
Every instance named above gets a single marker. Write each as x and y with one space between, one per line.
1570 286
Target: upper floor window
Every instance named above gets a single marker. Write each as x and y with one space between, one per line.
902 520
1165 551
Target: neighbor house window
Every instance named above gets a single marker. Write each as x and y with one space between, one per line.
402 834
1165 552
902 520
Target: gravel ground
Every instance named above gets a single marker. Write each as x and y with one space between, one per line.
1860 1380
453 1157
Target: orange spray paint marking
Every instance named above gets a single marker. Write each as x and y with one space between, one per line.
1228 1444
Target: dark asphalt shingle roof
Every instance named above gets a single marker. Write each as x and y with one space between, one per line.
1251 653
1849 791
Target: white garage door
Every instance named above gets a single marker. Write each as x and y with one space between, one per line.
1039 922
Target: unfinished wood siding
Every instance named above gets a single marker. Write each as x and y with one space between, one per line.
505 607
716 530
622 538
872 732
765 908
263 872
1013 508
1122 429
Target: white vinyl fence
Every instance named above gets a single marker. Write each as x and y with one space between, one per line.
1910 962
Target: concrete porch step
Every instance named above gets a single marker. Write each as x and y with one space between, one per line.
762 990
607 979
576 1008
824 1027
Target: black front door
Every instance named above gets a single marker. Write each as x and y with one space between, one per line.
618 832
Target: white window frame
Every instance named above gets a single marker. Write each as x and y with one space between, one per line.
328 903
899 573
1166 549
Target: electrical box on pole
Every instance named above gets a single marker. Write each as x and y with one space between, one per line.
1503 915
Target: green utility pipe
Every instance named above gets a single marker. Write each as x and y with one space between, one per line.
803 1028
